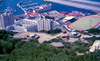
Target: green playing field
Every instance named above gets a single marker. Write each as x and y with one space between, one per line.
85 23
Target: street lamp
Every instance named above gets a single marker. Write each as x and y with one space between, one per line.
90 23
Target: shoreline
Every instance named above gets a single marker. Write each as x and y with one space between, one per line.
78 5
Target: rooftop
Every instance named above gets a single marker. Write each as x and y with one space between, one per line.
57 44
74 14
33 14
46 5
25 23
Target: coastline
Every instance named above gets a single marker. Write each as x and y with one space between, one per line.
94 8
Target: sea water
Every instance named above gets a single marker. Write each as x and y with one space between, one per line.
55 6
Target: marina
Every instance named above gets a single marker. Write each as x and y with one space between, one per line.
56 6
33 9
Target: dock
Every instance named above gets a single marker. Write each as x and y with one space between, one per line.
84 4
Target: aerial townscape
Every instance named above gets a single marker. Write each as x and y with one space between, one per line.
41 31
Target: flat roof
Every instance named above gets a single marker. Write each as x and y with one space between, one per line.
68 17
57 44
74 14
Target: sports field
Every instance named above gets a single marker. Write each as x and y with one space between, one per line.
85 23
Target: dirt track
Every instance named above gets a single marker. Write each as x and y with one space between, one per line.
46 37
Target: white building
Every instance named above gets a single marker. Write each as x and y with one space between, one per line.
25 25
6 19
45 24
43 8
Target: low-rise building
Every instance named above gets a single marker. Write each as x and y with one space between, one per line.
57 44
24 25
52 14
43 8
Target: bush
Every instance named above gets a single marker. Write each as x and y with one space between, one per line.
94 31
52 31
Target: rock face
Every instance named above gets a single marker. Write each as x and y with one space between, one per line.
89 5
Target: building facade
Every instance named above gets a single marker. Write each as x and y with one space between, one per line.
25 25
6 19
45 24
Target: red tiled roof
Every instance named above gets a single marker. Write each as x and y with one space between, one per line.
63 12
33 14
46 5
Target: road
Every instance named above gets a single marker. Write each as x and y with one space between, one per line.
63 28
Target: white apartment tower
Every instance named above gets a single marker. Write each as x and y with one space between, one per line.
6 19
45 24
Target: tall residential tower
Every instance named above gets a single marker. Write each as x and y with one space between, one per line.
45 24
6 19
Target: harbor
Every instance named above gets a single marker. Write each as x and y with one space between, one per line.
56 6
88 5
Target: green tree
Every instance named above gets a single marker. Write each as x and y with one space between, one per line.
19 44
94 31
7 47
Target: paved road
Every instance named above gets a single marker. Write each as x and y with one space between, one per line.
63 28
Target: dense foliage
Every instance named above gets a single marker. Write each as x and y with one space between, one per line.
92 39
94 31
78 46
53 40
33 51
52 31
7 43
12 49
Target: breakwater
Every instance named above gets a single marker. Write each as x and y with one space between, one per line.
89 5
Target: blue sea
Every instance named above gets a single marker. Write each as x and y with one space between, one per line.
58 7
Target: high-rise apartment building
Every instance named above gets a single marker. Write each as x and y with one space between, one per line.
6 19
45 24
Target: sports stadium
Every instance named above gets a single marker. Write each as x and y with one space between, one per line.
85 23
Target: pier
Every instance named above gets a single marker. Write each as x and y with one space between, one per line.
21 7
89 5
26 6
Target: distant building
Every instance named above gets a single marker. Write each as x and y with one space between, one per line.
24 25
6 18
45 24
56 25
57 44
43 8
67 18
53 14
76 14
